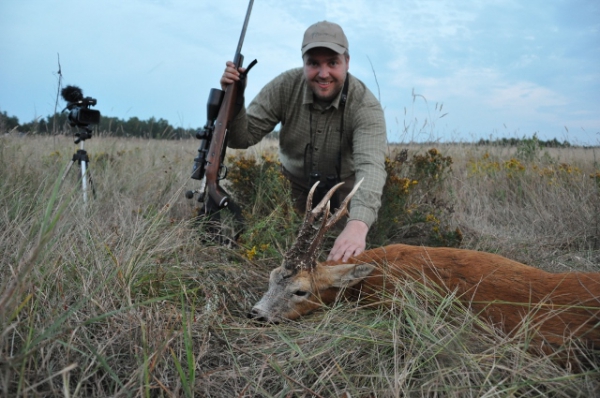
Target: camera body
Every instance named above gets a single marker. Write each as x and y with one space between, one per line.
325 184
80 114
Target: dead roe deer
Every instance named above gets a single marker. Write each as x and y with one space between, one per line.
557 306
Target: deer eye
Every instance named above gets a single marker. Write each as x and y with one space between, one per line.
300 293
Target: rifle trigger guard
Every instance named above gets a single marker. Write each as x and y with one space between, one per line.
222 175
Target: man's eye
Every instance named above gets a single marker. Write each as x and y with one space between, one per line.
300 293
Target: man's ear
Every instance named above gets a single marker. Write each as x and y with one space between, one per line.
344 275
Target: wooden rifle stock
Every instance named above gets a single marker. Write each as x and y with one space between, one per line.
216 151
217 148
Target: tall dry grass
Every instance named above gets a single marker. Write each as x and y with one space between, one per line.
125 297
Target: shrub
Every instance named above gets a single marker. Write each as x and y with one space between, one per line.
264 194
414 208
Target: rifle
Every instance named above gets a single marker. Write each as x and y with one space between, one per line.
208 165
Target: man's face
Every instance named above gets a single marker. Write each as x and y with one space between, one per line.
325 72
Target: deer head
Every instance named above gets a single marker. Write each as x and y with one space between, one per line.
301 284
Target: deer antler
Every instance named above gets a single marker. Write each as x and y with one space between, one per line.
303 253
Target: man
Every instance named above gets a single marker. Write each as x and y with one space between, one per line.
322 135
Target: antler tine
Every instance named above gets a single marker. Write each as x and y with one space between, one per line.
324 208
311 253
319 208
293 258
309 199
311 215
328 223
309 218
304 252
343 209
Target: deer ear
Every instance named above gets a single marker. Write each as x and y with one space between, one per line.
344 275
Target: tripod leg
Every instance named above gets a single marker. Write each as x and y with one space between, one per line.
83 165
89 173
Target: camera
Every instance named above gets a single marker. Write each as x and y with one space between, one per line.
324 186
80 114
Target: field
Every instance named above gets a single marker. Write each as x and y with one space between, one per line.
127 296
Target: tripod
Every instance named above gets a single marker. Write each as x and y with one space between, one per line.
82 158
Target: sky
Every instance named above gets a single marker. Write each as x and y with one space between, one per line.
453 70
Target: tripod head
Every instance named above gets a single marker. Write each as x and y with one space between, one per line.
82 134
80 114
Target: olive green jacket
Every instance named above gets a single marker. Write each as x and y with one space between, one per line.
287 100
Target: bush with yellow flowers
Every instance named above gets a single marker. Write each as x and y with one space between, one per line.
270 221
515 173
414 208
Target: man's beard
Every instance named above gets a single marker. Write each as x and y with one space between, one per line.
331 91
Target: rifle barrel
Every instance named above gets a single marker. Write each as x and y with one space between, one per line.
216 151
238 51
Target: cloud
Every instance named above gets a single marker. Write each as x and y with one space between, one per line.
530 64
522 97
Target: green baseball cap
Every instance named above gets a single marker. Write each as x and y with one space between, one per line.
325 34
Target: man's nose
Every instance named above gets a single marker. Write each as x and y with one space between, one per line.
323 71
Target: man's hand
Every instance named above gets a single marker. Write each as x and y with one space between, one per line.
351 242
230 75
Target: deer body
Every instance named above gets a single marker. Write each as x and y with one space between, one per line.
506 293
500 290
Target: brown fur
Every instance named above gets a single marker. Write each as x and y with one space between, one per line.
502 291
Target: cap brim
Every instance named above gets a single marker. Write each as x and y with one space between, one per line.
332 46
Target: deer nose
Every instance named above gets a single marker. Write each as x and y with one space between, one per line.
260 316
257 315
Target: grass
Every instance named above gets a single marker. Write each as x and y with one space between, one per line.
124 297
